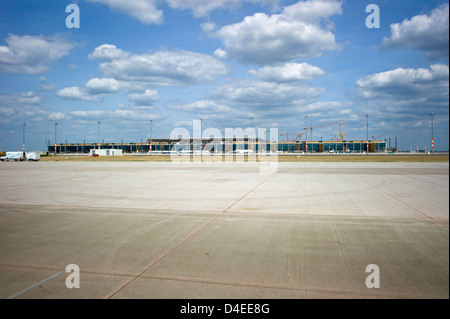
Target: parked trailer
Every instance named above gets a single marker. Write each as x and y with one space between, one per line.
12 156
33 156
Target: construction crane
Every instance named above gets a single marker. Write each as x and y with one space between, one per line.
388 130
341 136
287 135
299 135
311 128
296 134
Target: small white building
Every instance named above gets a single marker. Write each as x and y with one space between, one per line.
106 152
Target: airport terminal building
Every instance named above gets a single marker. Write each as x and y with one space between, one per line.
224 146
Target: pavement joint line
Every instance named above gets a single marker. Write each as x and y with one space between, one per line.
34 285
30 266
41 184
55 206
121 241
269 286
401 201
102 196
381 218
185 239
223 283
85 271
241 212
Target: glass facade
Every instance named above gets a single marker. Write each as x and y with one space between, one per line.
228 146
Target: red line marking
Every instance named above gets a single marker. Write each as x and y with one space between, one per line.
182 241
401 201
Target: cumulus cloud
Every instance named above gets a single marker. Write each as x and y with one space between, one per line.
405 95
56 116
313 10
133 72
296 33
214 113
405 84
208 26
202 8
76 93
427 33
265 95
328 107
118 114
32 54
24 106
221 54
203 106
149 97
145 11
94 90
44 85
288 72
104 85
163 68
107 52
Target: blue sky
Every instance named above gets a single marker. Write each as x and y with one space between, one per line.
225 61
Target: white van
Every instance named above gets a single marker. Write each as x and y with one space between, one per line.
33 156
10 156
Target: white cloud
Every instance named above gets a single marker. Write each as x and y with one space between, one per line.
427 33
321 107
24 107
313 10
143 10
107 52
94 91
147 11
118 113
32 54
92 114
208 26
104 85
288 72
202 8
165 68
203 106
183 124
149 97
76 93
265 95
56 116
296 33
221 54
44 85
407 83
405 96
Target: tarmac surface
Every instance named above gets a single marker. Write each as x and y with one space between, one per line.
224 230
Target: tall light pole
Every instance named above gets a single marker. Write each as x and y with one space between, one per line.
56 124
367 132
24 140
98 140
306 131
201 135
432 133
251 120
151 123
